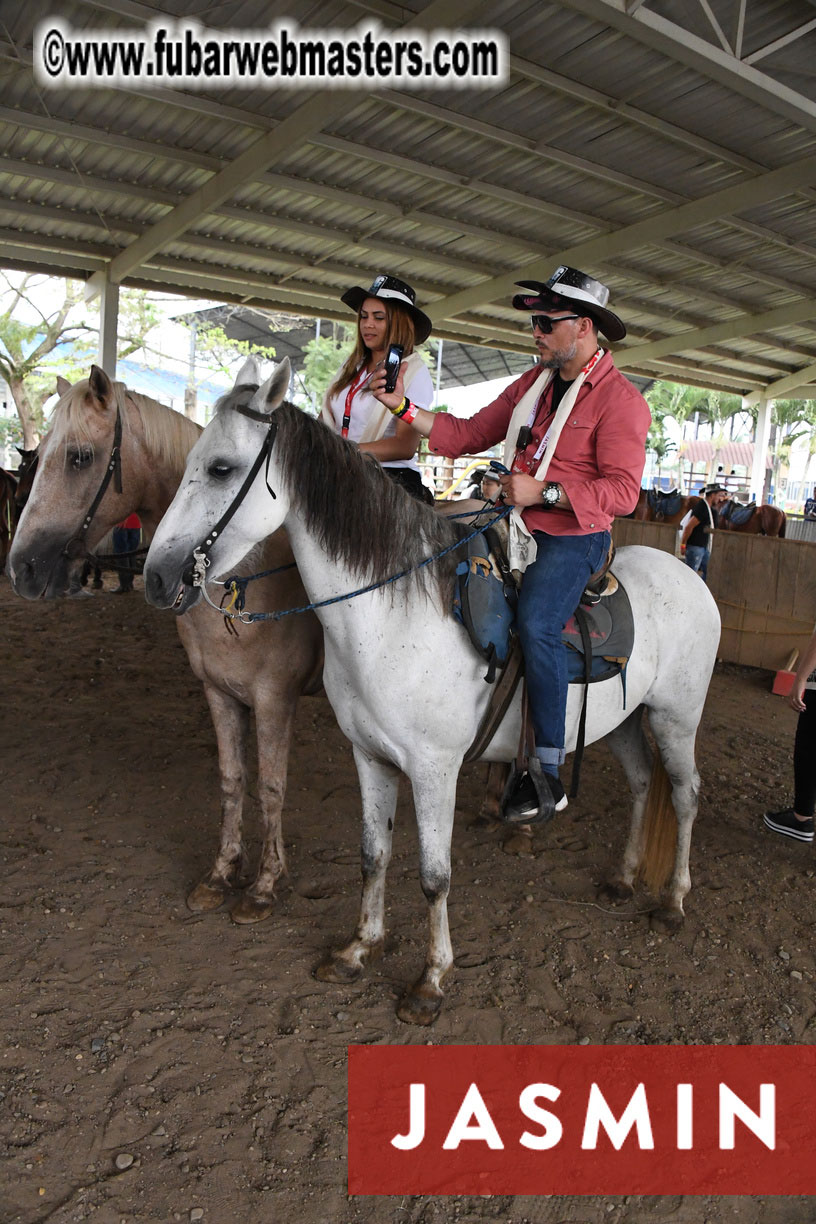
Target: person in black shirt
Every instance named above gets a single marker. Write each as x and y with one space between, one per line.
697 535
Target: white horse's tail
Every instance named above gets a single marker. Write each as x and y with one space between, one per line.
659 832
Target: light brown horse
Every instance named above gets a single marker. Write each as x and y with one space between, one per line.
265 669
760 520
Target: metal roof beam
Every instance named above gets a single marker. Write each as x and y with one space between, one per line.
798 381
744 325
310 117
666 224
769 48
686 48
222 186
515 140
310 187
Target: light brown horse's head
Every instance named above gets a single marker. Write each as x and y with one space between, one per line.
74 457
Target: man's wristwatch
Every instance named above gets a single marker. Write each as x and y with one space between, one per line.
551 495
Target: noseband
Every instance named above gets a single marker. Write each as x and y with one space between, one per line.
195 575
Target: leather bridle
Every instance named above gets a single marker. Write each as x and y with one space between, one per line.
195 574
76 546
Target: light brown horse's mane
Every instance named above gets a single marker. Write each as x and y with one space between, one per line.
167 436
359 515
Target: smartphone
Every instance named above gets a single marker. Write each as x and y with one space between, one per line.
392 366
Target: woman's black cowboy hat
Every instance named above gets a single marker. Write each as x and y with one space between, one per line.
569 288
391 290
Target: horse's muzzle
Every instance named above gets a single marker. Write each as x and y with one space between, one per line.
165 591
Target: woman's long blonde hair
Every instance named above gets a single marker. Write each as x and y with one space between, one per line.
399 330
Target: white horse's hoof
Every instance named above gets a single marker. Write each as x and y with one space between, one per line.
419 1008
617 890
342 967
666 920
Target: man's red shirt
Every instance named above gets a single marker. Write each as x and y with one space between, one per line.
599 457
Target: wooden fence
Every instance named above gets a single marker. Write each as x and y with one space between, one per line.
765 590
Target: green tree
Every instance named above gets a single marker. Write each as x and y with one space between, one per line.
323 357
36 345
28 335
658 441
220 354
791 420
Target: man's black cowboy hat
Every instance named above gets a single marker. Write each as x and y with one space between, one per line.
391 290
569 288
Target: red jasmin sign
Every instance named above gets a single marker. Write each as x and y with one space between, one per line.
581 1119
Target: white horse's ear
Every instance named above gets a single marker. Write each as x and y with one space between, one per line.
267 398
278 384
63 385
249 372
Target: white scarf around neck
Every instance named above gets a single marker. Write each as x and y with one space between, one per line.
521 545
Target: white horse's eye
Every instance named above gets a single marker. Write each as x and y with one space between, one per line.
80 457
219 470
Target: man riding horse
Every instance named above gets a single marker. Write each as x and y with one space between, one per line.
574 418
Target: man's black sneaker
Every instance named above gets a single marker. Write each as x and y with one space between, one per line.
522 804
786 822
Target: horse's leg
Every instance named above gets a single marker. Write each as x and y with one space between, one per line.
630 746
434 801
231 722
273 727
379 783
675 732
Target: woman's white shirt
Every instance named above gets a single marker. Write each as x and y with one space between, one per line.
370 420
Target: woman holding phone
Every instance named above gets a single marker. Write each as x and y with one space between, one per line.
387 315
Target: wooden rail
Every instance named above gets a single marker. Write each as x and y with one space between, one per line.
765 589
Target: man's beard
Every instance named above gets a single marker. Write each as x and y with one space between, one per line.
557 358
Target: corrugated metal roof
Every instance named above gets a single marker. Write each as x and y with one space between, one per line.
613 145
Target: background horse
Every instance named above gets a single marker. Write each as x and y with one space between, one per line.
405 682
25 475
263 670
758 520
654 506
8 513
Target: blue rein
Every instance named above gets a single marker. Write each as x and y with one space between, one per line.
238 585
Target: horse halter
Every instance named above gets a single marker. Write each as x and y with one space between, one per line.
196 574
76 547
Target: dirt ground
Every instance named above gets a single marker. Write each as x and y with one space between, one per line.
160 1066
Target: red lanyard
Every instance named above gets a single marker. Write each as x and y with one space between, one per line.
352 391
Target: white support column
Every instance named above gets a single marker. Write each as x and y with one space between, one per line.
108 327
763 433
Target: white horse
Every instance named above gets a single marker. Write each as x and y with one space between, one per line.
405 682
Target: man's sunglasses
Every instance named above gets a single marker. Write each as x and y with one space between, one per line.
545 324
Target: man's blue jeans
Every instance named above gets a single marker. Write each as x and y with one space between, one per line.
550 591
697 558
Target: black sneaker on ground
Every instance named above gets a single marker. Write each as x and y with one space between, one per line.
786 822
522 804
